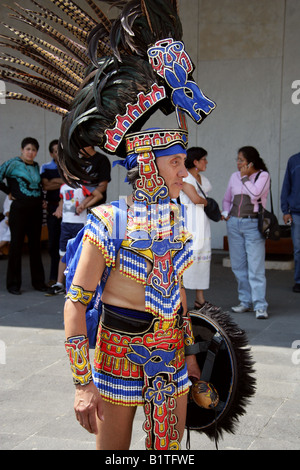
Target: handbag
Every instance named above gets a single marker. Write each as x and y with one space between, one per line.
267 221
212 209
268 224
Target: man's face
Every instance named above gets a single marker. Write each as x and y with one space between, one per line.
172 169
241 161
28 153
54 153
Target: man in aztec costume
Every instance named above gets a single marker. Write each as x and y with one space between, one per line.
126 265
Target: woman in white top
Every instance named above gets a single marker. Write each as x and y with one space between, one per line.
197 277
4 227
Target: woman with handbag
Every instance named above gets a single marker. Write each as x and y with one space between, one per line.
246 244
193 196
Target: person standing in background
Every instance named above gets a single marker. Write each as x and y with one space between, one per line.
4 228
290 206
23 179
195 187
51 183
99 169
73 218
247 186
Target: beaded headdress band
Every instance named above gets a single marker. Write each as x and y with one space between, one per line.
146 146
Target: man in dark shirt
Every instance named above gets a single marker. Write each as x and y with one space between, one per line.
99 170
51 182
290 206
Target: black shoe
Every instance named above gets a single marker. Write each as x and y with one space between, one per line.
14 291
296 288
42 288
55 290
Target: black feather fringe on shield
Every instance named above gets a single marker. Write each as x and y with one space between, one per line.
232 375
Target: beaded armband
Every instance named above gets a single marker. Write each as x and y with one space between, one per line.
189 339
78 294
77 348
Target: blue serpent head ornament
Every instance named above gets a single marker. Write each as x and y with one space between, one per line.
171 62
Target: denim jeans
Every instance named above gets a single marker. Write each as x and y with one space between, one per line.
296 243
247 257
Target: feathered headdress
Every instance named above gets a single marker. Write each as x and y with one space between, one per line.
110 78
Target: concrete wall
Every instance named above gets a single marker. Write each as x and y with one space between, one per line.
247 57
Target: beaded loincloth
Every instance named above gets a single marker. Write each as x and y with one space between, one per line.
122 358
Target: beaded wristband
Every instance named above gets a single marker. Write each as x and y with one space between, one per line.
78 294
188 332
77 348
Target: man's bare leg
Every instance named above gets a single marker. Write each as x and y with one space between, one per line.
116 429
180 412
114 433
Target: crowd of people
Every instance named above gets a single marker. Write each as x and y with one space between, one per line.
30 189
248 186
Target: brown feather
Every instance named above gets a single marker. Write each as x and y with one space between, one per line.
47 14
102 17
76 13
63 61
27 51
40 103
77 51
74 64
64 84
36 83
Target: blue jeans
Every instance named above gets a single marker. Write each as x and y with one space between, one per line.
247 257
68 230
296 243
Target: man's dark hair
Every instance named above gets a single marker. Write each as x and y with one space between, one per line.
51 145
30 140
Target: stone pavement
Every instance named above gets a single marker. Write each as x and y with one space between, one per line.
36 391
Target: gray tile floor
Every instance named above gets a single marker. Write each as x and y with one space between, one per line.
36 391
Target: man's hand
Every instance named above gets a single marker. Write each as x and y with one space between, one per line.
80 208
58 212
246 170
288 219
88 405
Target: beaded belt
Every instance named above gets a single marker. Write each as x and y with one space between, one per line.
125 319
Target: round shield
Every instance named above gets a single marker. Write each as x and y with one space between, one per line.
225 363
